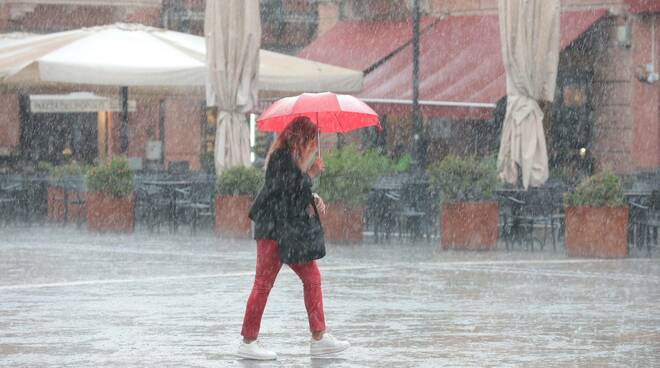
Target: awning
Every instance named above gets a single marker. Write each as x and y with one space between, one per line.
75 102
460 62
359 45
643 6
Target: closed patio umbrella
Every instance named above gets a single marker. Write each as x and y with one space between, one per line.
233 36
529 33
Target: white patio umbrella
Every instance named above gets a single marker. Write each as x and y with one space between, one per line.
139 56
529 33
233 36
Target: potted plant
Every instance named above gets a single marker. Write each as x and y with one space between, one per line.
344 186
468 214
110 197
60 178
597 218
235 191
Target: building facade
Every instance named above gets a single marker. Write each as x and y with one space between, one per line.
605 102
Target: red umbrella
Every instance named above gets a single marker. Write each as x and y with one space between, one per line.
332 113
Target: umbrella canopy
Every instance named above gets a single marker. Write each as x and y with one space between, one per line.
135 55
331 112
529 30
233 35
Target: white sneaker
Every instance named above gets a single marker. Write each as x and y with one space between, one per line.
327 345
254 351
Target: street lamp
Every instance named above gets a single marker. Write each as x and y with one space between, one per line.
416 119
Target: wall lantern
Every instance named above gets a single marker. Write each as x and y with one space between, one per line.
624 35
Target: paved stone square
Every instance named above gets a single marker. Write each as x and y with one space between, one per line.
73 299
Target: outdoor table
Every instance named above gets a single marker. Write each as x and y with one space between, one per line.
400 201
13 200
510 211
637 194
384 203
637 201
170 187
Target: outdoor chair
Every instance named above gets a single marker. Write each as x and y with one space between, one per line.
8 203
151 206
396 203
525 211
380 212
383 206
416 213
72 198
35 201
178 168
645 220
197 202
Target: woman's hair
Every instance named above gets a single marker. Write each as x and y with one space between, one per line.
294 138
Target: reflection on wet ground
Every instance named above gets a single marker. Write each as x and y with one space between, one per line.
69 298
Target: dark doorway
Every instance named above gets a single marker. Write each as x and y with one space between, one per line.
60 137
572 126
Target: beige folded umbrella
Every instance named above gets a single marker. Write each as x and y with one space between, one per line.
529 33
233 36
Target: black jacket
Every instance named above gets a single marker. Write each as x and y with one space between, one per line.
286 193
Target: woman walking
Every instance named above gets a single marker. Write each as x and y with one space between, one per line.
285 197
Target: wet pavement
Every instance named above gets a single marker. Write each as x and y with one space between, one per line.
73 299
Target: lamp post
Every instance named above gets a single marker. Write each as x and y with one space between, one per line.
416 119
123 127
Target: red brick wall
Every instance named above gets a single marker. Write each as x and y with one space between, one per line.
146 16
52 18
9 123
183 119
645 97
626 111
613 121
4 18
56 17
146 116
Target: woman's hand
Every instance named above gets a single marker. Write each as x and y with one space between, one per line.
320 205
316 168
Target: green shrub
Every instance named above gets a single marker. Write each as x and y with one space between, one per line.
566 176
207 162
456 179
600 190
403 164
60 175
244 181
349 175
112 177
44 166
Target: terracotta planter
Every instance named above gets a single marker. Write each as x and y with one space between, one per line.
469 225
342 224
56 205
231 216
596 232
106 213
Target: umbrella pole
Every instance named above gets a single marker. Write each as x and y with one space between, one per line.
318 136
123 127
318 147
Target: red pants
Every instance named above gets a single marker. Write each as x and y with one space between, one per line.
268 266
